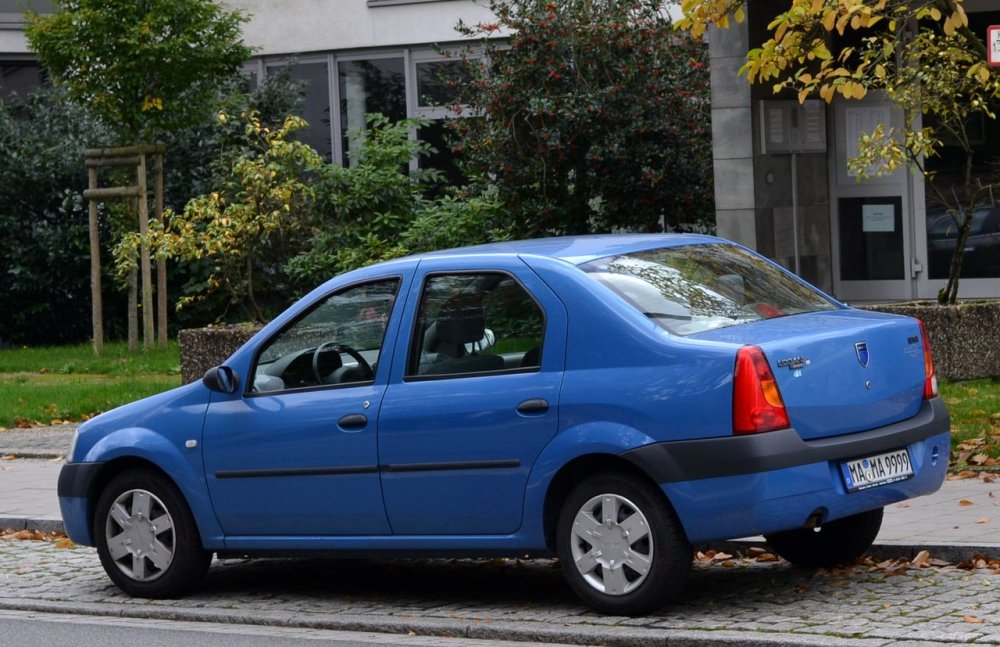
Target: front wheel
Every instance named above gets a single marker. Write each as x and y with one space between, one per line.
620 545
837 542
147 538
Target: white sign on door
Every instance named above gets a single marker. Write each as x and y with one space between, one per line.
993 45
878 218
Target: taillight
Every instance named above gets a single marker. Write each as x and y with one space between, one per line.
757 403
930 375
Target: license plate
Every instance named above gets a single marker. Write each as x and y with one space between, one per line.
863 473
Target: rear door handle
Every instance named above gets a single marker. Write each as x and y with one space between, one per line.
535 405
353 421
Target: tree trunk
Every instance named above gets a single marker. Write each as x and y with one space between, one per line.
949 293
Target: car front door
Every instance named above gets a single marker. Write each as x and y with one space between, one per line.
473 399
296 453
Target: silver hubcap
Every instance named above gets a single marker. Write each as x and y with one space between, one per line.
140 535
611 543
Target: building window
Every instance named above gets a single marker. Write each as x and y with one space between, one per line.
437 84
368 86
19 78
417 82
315 93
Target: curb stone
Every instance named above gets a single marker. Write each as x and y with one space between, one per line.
611 636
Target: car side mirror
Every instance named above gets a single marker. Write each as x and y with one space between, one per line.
221 379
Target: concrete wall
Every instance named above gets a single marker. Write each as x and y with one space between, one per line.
300 26
12 41
732 138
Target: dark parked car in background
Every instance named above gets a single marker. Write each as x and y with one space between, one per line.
982 248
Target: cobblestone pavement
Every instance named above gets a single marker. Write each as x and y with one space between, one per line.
750 604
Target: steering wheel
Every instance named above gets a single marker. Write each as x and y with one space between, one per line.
363 364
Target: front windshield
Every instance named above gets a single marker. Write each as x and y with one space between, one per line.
693 288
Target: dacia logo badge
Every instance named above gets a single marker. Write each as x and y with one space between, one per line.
861 350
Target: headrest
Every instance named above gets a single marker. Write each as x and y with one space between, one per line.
461 321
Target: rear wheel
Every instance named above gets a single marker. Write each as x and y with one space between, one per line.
147 538
620 545
837 542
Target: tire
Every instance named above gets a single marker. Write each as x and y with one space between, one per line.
147 538
838 542
611 528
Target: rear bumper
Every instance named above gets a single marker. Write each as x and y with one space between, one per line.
724 488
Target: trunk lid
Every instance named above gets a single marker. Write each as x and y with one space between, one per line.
839 371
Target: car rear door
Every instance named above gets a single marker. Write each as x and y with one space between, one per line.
464 416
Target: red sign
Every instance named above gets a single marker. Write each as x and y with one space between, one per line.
993 45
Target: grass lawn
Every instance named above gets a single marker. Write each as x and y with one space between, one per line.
42 386
974 406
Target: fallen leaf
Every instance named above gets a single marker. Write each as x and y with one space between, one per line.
922 559
903 505
983 520
65 543
971 619
965 503
979 459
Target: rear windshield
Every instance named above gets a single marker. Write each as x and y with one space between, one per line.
693 288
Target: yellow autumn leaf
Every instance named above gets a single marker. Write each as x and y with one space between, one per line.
963 18
935 13
829 20
948 26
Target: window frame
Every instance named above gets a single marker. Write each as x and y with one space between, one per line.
416 339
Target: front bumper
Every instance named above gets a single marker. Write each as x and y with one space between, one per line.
723 488
75 485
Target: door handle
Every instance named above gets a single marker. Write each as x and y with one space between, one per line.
535 405
353 421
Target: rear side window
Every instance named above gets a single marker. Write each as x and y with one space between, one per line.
476 323
693 288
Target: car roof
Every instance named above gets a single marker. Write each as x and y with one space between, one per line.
578 249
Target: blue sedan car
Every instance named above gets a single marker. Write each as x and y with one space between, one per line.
610 400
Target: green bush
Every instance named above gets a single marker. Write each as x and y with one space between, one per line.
592 117
45 265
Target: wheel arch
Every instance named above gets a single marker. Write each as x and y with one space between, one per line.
580 468
147 449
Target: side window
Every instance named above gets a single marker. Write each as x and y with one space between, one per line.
475 323
336 342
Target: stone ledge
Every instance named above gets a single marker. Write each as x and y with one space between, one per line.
965 338
203 348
